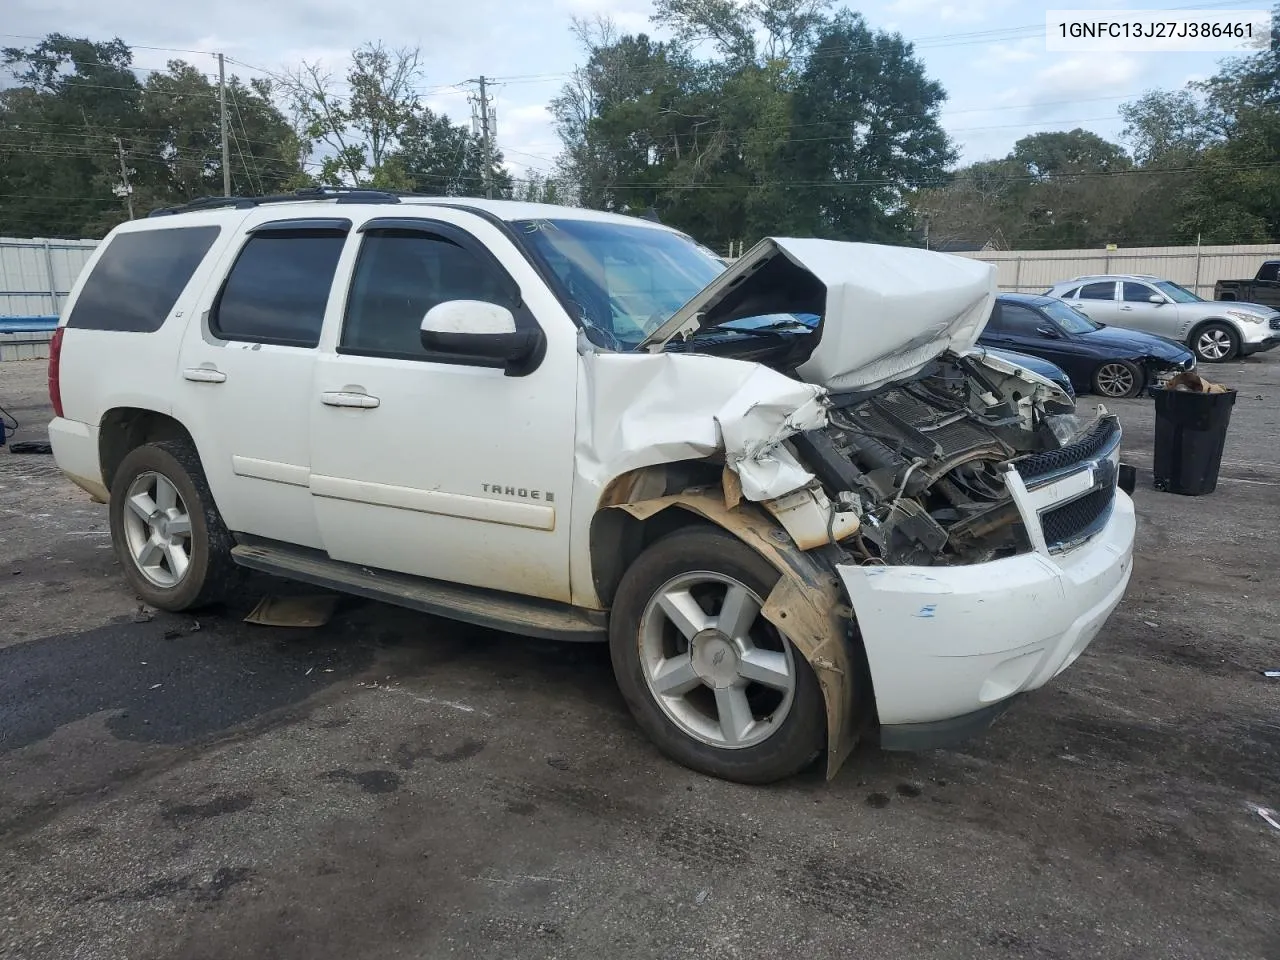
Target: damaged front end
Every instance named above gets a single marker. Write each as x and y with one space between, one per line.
924 463
968 529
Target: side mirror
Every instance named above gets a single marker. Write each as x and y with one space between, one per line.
1157 299
482 334
1047 331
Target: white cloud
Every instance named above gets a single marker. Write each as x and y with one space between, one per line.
953 11
1083 76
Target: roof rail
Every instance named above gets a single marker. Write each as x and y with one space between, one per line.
337 194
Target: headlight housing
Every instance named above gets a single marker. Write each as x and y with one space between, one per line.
1245 316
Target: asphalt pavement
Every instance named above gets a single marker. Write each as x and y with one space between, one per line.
394 785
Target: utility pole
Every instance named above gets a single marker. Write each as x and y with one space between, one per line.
222 112
486 135
126 188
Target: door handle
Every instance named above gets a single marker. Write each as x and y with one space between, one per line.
341 398
1126 308
204 375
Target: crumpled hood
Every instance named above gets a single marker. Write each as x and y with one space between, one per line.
886 311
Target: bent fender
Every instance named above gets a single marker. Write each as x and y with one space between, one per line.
805 605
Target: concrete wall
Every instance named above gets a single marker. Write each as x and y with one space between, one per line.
1035 271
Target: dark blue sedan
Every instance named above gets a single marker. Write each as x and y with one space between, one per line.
1099 359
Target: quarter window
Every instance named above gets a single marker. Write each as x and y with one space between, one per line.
278 288
399 276
139 277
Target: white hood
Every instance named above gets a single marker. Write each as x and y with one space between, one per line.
886 311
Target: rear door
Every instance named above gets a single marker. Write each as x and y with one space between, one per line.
246 368
1098 301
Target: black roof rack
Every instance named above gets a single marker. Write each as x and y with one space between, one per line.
338 194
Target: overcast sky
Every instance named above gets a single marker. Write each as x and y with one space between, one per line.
1002 84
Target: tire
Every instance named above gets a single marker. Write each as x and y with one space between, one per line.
713 719
1215 343
1118 380
148 548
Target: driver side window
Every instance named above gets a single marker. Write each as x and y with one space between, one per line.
1021 321
399 276
1137 292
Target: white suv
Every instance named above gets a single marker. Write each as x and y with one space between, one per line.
792 497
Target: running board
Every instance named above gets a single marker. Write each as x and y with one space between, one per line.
493 609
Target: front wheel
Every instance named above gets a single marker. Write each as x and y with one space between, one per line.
1118 379
713 683
1216 343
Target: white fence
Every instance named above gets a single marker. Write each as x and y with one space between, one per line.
36 275
1196 268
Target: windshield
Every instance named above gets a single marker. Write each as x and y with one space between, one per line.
1176 293
1068 318
623 281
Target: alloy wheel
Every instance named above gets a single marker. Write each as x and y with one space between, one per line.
158 529
718 669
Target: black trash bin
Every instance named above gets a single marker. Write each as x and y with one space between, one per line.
1191 429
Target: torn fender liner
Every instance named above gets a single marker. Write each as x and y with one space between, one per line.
805 605
886 311
639 410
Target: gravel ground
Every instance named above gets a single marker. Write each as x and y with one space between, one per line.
393 785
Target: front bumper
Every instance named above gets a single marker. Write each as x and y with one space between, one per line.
946 642
1248 348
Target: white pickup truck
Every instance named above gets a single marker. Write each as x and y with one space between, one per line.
796 501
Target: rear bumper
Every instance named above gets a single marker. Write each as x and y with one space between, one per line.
946 645
75 451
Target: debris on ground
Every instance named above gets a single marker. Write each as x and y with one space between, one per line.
31 446
1268 815
1273 674
143 614
302 611
1191 382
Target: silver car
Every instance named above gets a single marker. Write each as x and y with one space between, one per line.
1216 331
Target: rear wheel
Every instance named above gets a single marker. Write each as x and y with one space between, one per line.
1118 379
1216 343
713 683
167 533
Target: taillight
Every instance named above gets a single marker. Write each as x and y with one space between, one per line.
55 362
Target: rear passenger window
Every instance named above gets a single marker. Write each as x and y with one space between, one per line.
139 277
278 288
402 274
1098 291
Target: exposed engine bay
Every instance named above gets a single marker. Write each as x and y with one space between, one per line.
922 462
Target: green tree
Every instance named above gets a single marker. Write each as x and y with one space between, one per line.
792 121
59 163
439 157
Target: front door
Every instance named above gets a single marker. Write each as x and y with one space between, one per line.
433 467
246 368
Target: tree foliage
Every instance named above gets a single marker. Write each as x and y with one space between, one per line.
381 134
758 117
78 109
1203 163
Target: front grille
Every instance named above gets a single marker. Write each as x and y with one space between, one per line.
1079 519
1275 323
1102 437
